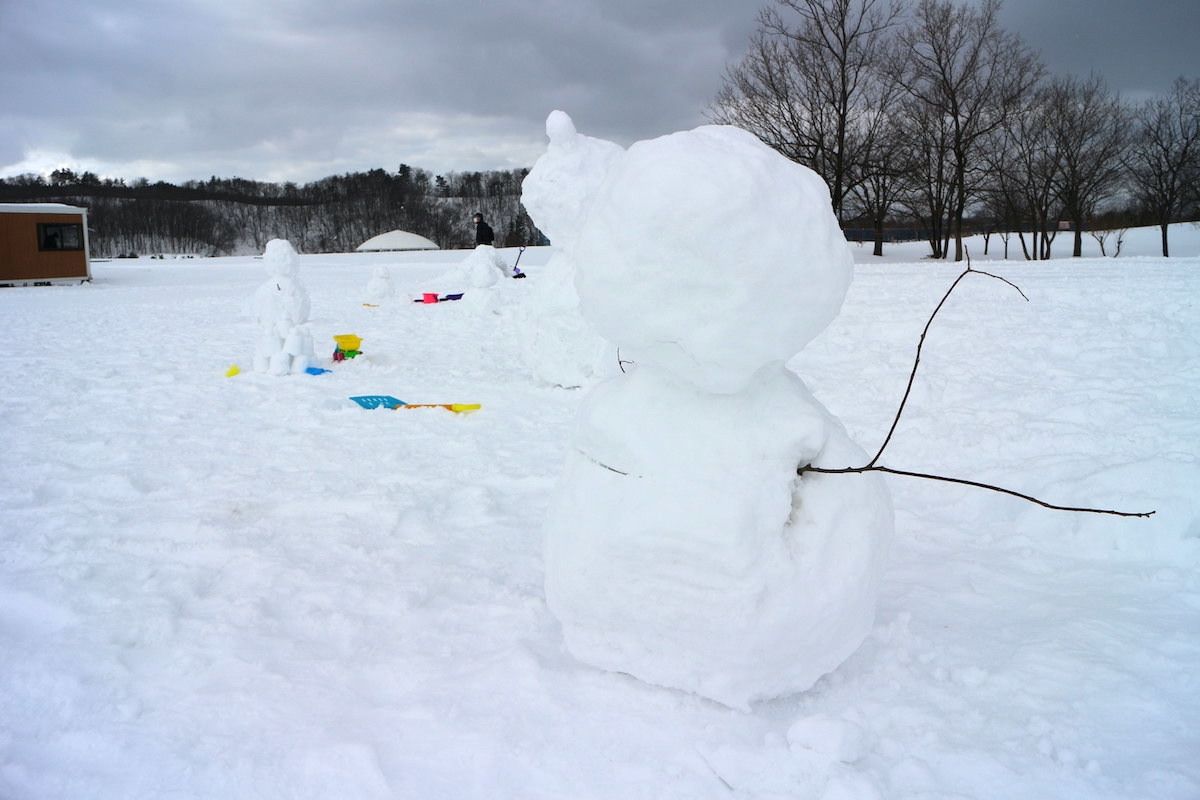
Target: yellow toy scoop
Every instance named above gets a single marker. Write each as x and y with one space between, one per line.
457 408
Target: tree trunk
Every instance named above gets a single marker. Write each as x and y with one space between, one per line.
878 237
1166 252
1078 225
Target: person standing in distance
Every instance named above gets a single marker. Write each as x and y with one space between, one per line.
483 231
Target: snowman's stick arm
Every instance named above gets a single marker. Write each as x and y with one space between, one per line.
921 343
873 465
965 482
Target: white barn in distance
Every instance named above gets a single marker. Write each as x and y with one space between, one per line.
395 240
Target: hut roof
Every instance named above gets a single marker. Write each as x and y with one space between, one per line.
396 240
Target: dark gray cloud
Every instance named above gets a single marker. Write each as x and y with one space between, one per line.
1139 46
305 88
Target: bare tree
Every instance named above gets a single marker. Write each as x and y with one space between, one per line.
1034 173
968 71
1103 236
1088 125
928 185
880 177
809 84
1164 157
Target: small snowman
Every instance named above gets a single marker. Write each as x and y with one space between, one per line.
380 287
681 545
281 307
557 346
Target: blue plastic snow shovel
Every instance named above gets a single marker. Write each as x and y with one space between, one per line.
377 401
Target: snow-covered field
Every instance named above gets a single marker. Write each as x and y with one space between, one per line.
249 587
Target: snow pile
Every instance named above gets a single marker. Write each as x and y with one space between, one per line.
557 345
380 287
681 547
484 267
281 308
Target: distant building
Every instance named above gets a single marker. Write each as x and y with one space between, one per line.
395 240
42 243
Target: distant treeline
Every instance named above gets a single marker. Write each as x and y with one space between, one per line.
223 216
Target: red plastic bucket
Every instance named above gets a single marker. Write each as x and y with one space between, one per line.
429 297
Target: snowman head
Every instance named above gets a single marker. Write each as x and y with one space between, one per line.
558 188
280 259
708 254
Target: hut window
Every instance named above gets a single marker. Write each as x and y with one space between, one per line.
60 236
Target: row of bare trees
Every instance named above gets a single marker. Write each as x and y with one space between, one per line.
932 112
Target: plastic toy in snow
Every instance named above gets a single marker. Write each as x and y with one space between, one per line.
457 408
372 401
516 272
348 345
433 297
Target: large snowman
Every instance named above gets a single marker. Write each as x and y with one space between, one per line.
281 306
681 546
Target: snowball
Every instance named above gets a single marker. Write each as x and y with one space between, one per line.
559 126
709 254
709 565
839 739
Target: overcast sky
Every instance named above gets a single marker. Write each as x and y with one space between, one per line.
301 89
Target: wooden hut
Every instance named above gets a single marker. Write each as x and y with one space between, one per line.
43 243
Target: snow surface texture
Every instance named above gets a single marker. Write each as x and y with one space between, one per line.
558 347
681 547
252 589
281 308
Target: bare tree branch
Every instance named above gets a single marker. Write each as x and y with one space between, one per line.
917 361
965 482
874 466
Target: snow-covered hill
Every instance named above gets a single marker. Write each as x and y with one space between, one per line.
249 587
